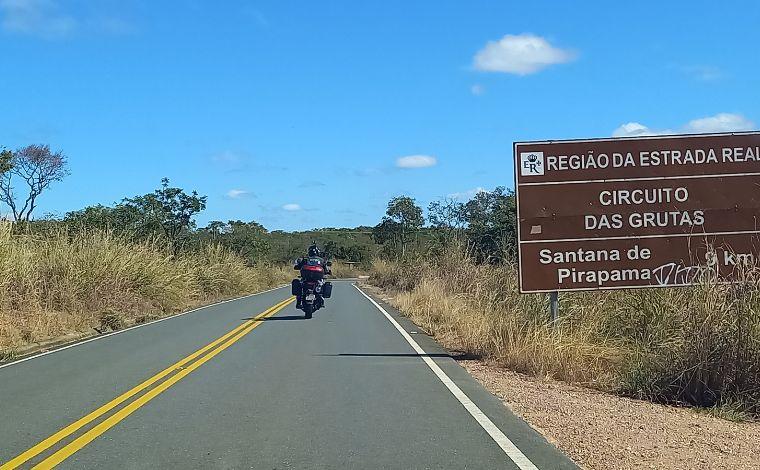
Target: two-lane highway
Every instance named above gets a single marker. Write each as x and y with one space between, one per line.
251 384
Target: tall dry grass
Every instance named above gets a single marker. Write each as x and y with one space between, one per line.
341 270
61 284
698 345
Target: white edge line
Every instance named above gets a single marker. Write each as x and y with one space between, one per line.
641 178
484 421
95 338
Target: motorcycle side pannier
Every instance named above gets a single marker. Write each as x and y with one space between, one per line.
295 287
327 290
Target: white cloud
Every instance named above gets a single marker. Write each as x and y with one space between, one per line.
237 193
722 122
477 89
633 129
46 19
292 207
520 54
467 195
35 17
416 161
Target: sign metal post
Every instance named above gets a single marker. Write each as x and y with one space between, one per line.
554 306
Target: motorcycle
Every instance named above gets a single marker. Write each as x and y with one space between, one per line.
313 297
311 288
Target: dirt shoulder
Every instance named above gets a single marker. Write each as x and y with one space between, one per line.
602 431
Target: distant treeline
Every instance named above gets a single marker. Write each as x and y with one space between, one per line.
485 224
168 215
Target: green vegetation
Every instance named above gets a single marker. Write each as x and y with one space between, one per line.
402 222
25 174
342 244
105 267
60 284
166 216
698 345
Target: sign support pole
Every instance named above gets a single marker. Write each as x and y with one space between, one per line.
554 306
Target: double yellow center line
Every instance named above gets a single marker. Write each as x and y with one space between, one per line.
182 369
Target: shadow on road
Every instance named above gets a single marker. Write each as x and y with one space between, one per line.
284 317
458 356
384 355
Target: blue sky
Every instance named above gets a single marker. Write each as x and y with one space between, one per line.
301 114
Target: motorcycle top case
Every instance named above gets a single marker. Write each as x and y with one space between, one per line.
313 270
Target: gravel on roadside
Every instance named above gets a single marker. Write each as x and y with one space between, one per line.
602 431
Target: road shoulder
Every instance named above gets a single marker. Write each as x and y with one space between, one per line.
541 452
600 431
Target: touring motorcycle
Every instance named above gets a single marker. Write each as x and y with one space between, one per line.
311 288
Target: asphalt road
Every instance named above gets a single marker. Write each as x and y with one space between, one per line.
345 389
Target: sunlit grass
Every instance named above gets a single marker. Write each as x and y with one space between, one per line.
698 345
61 284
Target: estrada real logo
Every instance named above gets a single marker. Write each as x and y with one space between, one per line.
531 163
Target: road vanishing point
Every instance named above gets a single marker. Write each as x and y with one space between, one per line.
249 383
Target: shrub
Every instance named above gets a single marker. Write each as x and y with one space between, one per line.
698 345
58 283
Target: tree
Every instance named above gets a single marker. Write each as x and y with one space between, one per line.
6 161
215 228
123 219
171 208
346 250
248 239
447 218
492 224
37 167
97 217
403 219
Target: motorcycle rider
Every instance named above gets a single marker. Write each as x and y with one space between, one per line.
315 255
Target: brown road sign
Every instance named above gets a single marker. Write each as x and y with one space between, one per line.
636 212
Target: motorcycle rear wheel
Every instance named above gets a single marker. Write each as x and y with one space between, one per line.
308 309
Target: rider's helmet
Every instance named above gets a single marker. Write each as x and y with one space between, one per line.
313 250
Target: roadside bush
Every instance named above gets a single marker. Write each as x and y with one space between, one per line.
60 283
706 349
341 270
396 275
698 345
